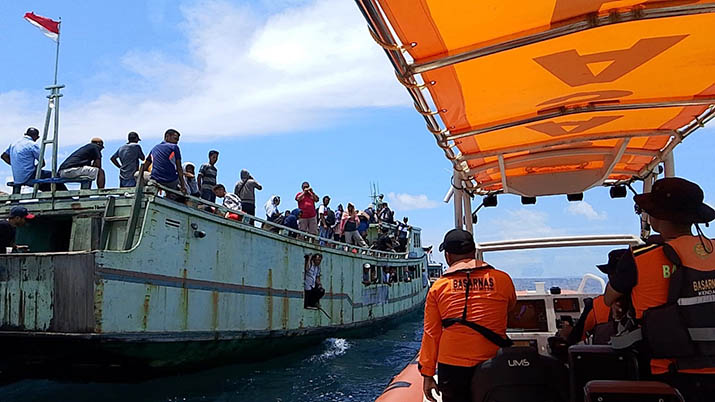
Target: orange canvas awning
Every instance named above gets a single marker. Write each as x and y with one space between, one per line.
553 96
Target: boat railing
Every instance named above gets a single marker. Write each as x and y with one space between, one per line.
298 235
585 279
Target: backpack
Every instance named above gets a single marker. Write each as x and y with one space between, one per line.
329 216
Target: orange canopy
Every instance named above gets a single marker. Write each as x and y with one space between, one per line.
539 97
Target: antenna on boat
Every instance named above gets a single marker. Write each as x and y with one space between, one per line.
375 195
53 104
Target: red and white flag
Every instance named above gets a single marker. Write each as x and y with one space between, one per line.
50 28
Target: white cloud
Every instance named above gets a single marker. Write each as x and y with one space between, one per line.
245 75
519 223
585 209
407 202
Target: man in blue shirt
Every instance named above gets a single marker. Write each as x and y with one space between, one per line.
166 160
22 155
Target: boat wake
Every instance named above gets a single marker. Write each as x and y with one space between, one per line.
335 347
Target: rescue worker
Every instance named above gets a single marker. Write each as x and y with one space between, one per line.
671 286
599 321
465 319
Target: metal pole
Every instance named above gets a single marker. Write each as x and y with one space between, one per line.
57 52
457 199
469 225
645 226
43 143
669 164
55 137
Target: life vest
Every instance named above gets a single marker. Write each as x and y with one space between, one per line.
674 301
604 327
487 333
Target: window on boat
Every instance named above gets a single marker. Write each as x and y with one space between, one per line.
47 234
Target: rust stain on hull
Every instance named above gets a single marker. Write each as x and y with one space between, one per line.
269 300
184 307
98 302
145 311
214 310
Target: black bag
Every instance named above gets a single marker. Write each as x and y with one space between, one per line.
329 216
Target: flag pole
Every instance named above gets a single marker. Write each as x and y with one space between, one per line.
57 52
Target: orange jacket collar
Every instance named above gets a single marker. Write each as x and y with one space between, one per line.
466 265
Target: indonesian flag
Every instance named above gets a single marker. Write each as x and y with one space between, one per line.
50 28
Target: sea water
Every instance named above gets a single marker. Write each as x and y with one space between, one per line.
335 370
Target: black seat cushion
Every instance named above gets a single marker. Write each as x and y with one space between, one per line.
520 374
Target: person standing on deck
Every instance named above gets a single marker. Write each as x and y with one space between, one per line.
671 286
327 219
403 233
165 159
192 186
85 162
306 202
465 319
207 177
18 217
349 227
245 190
127 158
22 156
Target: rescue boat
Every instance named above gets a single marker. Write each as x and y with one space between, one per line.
547 98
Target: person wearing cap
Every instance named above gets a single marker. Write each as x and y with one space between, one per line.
465 319
23 156
85 162
668 310
598 320
18 217
127 158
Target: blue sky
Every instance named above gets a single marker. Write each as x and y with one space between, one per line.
290 90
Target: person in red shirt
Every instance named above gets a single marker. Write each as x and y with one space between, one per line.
306 203
465 319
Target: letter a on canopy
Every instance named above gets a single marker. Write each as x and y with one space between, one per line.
539 97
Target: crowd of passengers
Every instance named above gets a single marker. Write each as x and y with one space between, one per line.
163 165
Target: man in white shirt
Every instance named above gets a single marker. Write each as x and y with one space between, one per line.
313 288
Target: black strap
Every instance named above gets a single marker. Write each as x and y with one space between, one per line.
242 186
491 336
692 363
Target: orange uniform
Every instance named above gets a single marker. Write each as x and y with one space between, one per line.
653 276
600 314
491 297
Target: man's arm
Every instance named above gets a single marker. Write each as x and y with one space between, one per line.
180 171
300 196
315 197
256 184
622 279
6 157
430 346
97 163
115 160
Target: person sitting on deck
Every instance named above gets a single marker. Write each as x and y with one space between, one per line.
165 160
18 217
127 158
230 200
23 156
85 162
192 186
384 242
465 319
271 207
291 221
313 288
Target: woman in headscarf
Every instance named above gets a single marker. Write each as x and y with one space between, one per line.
271 208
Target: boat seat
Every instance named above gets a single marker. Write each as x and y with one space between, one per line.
630 391
520 374
599 362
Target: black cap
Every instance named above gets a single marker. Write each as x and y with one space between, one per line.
133 136
32 132
458 241
613 257
20 212
676 200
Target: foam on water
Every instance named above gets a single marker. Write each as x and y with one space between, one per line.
334 347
